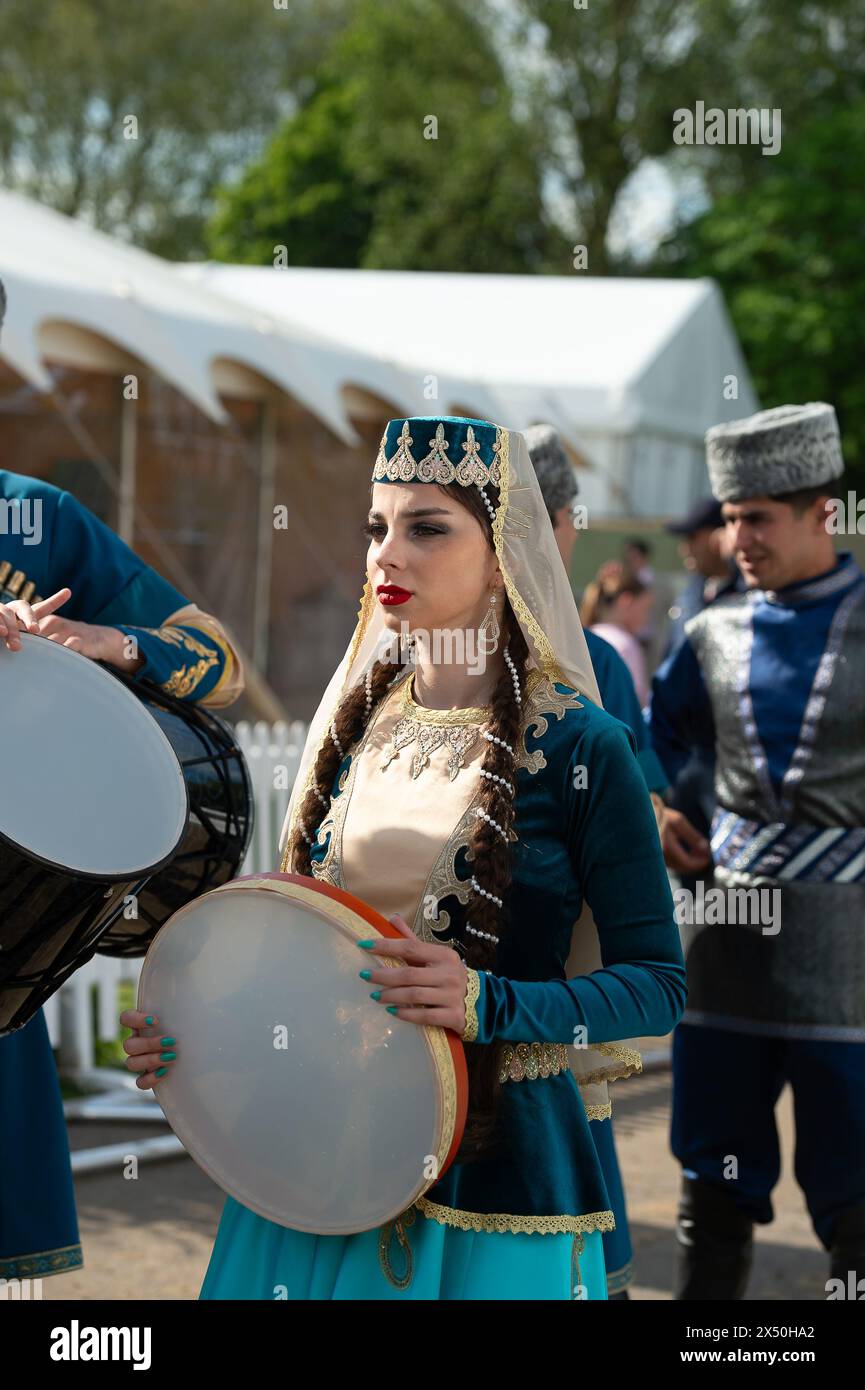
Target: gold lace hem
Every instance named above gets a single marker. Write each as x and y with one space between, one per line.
515 1224
473 989
629 1060
599 1112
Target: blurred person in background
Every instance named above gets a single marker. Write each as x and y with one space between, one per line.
637 556
706 556
616 606
560 489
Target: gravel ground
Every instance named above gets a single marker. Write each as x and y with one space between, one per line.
150 1237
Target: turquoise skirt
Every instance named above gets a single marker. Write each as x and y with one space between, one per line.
414 1258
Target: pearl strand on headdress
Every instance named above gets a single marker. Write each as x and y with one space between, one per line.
336 740
368 687
487 503
514 677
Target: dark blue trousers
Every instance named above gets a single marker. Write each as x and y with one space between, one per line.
38 1223
725 1088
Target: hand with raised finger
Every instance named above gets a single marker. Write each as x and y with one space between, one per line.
149 1053
18 616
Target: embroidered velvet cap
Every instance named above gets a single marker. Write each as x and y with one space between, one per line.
440 449
774 452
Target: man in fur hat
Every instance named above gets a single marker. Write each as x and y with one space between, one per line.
773 681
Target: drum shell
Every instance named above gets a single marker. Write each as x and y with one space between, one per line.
50 924
219 827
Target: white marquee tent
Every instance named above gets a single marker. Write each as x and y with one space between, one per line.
631 371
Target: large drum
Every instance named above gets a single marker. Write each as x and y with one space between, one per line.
219 827
298 1094
92 803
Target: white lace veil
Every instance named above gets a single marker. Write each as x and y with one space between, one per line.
542 600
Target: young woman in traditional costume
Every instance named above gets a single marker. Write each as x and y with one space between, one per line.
481 799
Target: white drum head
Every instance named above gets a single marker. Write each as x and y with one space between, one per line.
298 1094
90 783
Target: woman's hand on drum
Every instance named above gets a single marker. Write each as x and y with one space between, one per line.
17 617
429 988
152 1056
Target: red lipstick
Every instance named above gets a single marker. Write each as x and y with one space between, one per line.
391 594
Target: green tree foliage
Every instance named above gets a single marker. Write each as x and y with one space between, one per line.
612 73
788 253
205 82
408 155
804 57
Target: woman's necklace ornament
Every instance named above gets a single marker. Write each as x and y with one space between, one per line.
428 729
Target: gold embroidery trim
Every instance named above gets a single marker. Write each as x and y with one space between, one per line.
523 612
629 1059
436 467
41 1263
528 1061
398 1228
363 616
185 679
577 1288
472 714
515 1224
599 1112
473 989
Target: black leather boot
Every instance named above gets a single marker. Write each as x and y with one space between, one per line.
847 1250
714 1244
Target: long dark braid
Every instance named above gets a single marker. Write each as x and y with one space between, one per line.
489 849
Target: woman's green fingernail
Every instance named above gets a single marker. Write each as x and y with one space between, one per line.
168 1042
365 945
365 974
149 1019
376 994
391 1008
167 1056
162 1071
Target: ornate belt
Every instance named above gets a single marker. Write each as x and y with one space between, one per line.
528 1061
775 850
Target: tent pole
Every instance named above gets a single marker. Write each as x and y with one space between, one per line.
264 548
128 460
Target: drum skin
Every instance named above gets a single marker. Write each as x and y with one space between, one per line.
298 1094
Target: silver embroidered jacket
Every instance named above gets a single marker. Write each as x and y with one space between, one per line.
775 682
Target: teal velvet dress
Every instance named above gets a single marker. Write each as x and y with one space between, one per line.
526 1220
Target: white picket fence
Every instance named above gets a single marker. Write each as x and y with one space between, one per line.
272 752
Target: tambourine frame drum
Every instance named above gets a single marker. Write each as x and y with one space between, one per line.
299 1095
